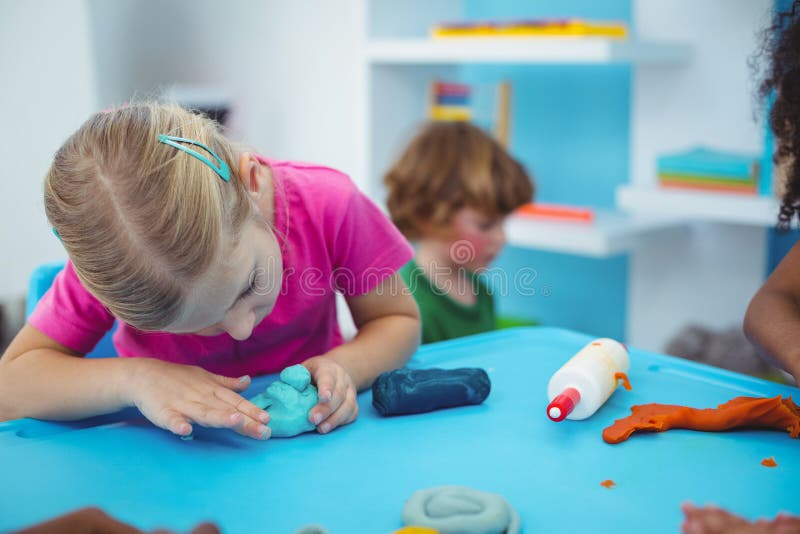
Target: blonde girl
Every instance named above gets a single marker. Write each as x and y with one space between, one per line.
218 264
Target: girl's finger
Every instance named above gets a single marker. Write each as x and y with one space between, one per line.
323 411
225 416
239 383
319 413
347 412
243 405
325 380
204 414
175 422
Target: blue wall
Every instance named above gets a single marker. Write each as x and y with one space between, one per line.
571 129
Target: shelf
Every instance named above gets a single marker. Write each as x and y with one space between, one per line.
718 207
561 50
609 234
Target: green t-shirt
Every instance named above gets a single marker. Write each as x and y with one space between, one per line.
444 318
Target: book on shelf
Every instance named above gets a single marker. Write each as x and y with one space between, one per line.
717 188
450 102
486 105
706 169
568 27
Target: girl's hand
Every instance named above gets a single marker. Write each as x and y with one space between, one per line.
337 394
174 396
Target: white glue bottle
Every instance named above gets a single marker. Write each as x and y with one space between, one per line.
587 380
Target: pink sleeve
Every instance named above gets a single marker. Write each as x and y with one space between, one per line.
70 315
366 247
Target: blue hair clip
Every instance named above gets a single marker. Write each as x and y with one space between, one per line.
221 169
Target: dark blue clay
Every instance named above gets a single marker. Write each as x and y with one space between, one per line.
406 391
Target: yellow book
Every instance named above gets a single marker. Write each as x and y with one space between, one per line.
450 113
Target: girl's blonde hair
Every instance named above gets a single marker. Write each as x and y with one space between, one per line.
139 219
448 166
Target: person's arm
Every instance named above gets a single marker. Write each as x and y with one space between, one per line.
388 324
712 520
43 379
772 321
96 521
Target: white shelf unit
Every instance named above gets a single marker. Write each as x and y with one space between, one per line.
727 208
560 50
396 78
609 234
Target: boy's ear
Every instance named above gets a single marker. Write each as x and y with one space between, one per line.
252 173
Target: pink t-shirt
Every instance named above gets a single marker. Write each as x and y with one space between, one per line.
336 239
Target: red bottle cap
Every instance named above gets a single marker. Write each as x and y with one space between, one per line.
563 404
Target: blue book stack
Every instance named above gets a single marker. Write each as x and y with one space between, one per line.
707 169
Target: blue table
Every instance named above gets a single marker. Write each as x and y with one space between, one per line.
361 475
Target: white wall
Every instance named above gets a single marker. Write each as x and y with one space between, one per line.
47 92
710 278
289 66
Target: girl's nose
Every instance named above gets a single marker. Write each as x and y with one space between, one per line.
240 326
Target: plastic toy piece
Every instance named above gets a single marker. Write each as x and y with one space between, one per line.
776 413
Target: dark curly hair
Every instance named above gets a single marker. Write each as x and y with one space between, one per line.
780 76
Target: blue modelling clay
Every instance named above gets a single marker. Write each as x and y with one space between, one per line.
288 402
407 391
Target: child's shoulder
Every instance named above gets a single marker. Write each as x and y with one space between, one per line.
318 184
323 193
311 175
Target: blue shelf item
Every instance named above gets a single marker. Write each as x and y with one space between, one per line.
703 161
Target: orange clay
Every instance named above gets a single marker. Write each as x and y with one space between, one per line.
776 412
769 462
625 382
608 484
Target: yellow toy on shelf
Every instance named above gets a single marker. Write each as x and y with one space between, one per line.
530 28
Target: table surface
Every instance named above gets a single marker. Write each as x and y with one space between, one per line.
356 479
